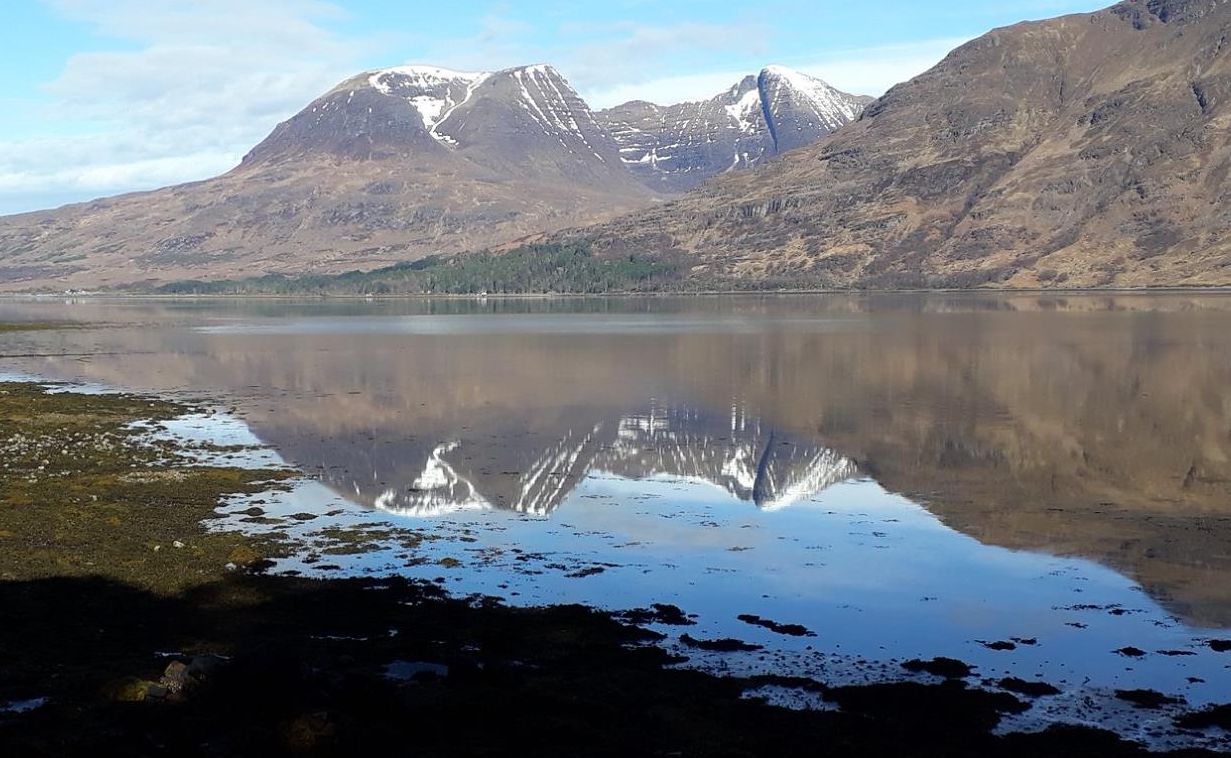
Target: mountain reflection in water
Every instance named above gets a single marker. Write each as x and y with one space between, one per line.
1089 426
747 460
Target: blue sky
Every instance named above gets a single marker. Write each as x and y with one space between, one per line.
106 96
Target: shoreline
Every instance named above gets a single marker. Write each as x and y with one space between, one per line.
1085 292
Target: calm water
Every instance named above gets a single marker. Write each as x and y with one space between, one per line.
902 475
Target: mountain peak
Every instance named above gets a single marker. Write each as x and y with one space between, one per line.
394 163
676 147
780 70
425 72
420 108
431 90
537 68
806 106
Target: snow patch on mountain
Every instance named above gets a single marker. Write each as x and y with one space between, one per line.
556 106
433 91
746 111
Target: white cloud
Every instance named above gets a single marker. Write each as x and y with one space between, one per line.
637 51
599 58
873 70
103 177
48 172
201 85
666 90
281 23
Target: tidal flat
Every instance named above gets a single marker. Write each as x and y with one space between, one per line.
258 571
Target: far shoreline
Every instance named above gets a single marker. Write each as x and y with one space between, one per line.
633 294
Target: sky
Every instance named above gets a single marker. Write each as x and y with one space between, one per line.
99 97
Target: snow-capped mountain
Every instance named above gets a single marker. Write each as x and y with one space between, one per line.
375 115
525 122
676 147
395 164
530 117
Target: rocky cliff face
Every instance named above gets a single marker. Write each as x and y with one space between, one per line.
1088 150
676 147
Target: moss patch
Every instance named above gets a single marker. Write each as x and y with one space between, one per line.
82 493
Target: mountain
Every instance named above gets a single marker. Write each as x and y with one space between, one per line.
388 166
396 164
1087 150
676 147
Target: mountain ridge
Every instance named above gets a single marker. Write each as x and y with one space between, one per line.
759 117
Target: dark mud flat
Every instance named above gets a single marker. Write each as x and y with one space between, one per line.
304 671
128 629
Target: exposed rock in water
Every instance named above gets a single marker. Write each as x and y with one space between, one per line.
1147 699
949 668
658 613
793 630
726 645
1214 716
